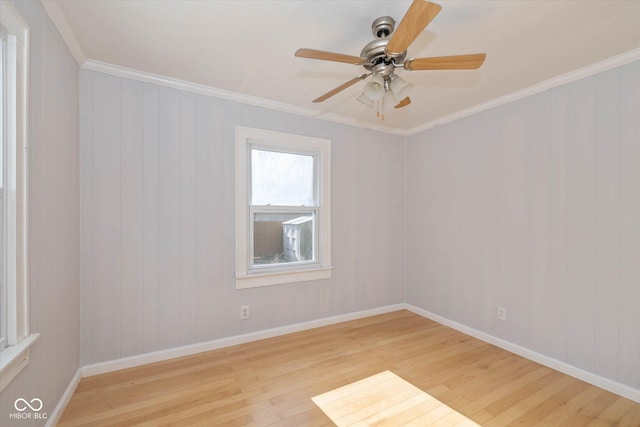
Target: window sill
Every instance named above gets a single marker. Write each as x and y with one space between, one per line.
281 277
13 359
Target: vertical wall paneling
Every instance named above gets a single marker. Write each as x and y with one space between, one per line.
151 223
558 247
106 215
465 166
132 216
349 218
556 229
581 228
515 164
490 224
86 210
169 248
67 227
188 221
203 256
444 245
629 261
456 229
219 113
607 227
539 141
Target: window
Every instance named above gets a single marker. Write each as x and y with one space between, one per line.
14 332
283 223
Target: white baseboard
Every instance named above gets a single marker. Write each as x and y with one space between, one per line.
157 356
591 378
54 416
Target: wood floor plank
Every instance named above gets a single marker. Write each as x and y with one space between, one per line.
550 404
630 419
458 380
616 410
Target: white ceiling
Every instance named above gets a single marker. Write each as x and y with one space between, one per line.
247 47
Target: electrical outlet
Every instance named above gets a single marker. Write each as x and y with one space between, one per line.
502 313
244 312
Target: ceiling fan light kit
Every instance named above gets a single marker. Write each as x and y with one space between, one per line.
374 90
364 100
400 88
387 52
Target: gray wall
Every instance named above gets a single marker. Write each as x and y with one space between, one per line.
53 218
157 233
535 206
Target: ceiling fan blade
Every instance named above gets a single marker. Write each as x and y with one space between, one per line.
328 56
456 62
420 13
403 103
341 87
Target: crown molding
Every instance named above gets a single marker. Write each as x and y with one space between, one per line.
589 70
61 23
118 71
598 67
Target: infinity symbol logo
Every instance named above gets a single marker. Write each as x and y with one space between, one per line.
22 404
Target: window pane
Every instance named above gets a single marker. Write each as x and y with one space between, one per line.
280 238
281 179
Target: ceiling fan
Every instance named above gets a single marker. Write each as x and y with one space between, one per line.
389 51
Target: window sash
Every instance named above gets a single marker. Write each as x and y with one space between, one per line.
265 147
255 209
293 265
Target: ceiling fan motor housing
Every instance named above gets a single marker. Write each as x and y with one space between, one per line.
377 60
374 55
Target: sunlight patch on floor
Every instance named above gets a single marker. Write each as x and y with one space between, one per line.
385 399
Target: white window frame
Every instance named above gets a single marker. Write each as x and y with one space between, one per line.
15 356
248 277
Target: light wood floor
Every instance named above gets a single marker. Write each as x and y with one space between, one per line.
273 381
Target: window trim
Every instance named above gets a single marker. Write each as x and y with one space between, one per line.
16 355
321 148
